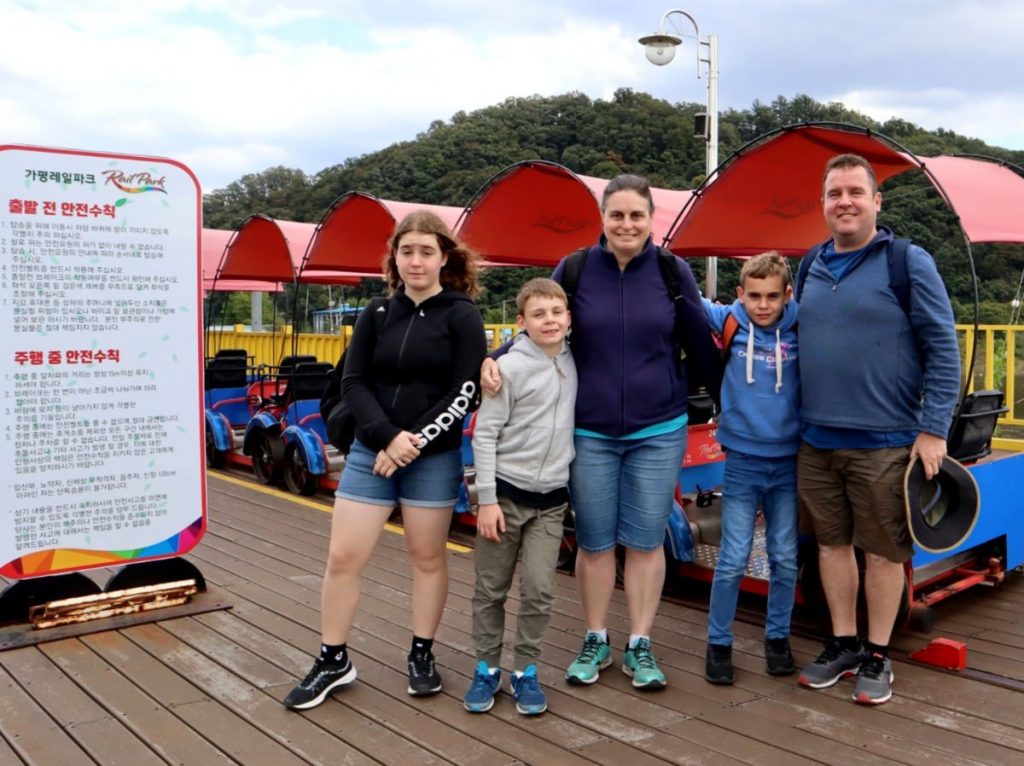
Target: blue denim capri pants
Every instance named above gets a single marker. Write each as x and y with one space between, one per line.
622 490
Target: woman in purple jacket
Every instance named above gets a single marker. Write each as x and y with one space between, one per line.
631 415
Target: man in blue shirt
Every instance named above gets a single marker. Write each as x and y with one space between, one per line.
880 385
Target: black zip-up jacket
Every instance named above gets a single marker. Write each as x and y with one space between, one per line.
420 372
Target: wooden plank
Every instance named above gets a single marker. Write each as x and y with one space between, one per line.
1003 637
701 679
7 754
376 610
388 582
98 733
221 726
614 753
905 718
227 648
672 747
30 731
284 736
142 714
987 665
381 677
842 729
599 719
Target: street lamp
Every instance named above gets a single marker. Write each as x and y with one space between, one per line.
660 49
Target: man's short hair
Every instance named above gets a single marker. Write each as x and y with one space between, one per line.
541 287
764 266
850 161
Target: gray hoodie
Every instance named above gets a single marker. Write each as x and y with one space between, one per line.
524 434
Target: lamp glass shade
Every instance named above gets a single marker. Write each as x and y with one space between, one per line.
660 54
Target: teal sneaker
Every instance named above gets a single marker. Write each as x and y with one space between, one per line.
480 695
594 657
640 665
530 699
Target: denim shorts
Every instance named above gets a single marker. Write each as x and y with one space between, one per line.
429 481
622 490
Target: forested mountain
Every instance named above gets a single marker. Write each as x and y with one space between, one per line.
632 132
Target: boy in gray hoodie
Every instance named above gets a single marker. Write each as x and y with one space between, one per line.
522 447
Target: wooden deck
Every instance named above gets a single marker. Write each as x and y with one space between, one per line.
206 689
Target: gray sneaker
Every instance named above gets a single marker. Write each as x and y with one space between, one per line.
874 680
832 664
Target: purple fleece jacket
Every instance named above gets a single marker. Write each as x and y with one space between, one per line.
630 376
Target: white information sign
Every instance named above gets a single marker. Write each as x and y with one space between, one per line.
101 356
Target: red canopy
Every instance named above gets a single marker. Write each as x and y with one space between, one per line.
531 214
214 243
766 197
769 197
353 235
988 197
266 249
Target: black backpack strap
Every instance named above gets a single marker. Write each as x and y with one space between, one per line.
669 268
804 268
899 274
571 270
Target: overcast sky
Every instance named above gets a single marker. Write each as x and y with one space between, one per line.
230 87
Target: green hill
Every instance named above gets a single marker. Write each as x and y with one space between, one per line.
632 132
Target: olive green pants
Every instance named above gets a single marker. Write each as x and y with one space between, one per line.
536 536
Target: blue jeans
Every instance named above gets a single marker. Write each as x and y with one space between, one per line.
622 490
751 482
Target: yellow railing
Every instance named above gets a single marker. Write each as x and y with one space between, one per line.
268 347
1000 360
1000 366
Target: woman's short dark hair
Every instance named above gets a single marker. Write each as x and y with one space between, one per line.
461 271
628 182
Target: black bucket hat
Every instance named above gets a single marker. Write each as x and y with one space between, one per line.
942 511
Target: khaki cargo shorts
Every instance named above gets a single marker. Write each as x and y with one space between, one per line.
855 496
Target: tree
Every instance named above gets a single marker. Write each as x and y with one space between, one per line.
277 192
630 132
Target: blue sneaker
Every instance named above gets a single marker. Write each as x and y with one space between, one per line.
530 699
480 696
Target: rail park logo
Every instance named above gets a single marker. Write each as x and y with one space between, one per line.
788 208
135 183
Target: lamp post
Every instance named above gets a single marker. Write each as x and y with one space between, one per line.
660 50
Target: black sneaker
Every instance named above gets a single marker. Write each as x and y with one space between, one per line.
778 657
718 665
832 664
322 679
424 679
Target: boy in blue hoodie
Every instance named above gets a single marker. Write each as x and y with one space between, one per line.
759 428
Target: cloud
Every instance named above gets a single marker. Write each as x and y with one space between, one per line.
203 91
232 86
996 115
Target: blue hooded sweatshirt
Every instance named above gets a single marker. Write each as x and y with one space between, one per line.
761 389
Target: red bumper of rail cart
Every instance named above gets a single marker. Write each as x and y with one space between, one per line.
943 653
